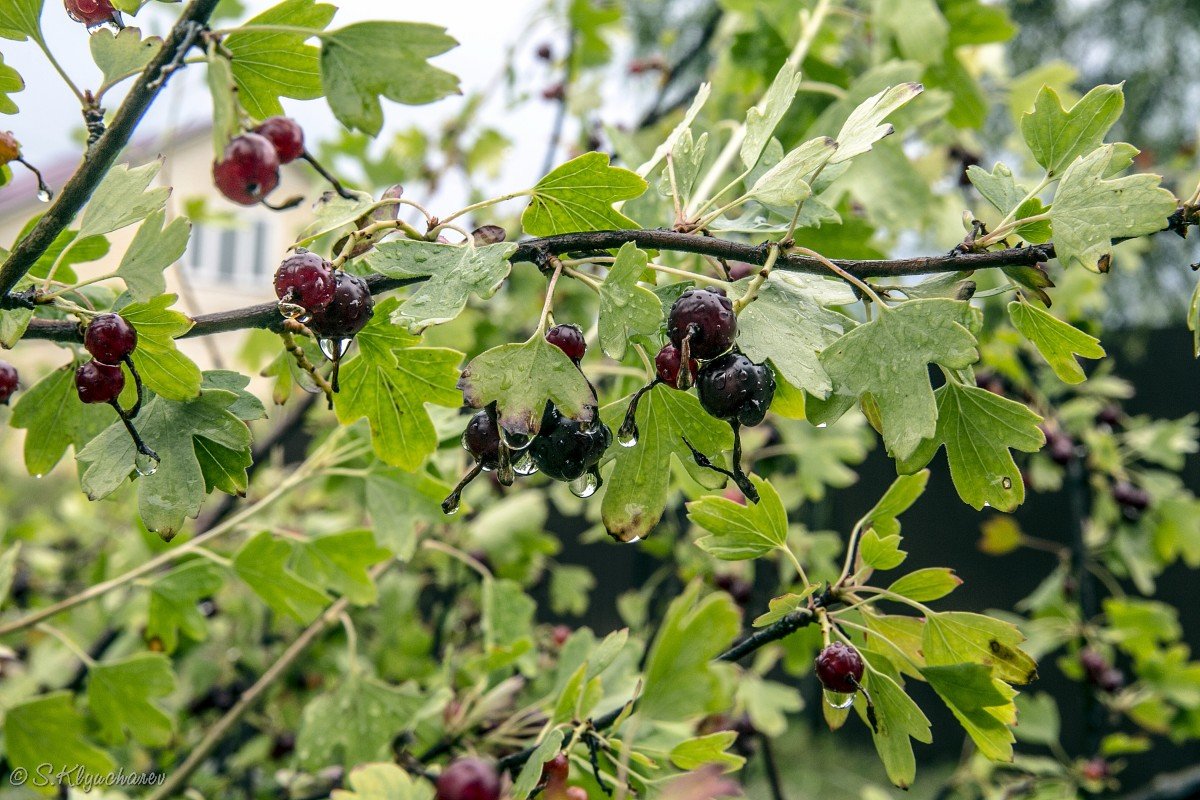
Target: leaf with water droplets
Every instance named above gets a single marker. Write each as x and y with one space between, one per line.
627 310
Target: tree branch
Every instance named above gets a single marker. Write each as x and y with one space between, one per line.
101 156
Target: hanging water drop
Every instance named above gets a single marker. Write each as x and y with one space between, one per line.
627 436
586 484
146 464
451 504
634 540
514 440
45 195
108 24
524 464
837 700
334 349
291 310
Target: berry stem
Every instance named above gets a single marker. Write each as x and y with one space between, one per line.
452 500
863 286
292 346
756 283
324 173
62 73
544 320
138 442
485 204
137 383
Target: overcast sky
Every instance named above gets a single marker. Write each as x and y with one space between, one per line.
49 115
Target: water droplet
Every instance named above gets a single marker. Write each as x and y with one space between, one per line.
524 465
822 424
291 310
45 195
334 349
146 465
514 440
586 484
627 436
450 504
108 24
986 504
38 476
838 700
634 540
1006 482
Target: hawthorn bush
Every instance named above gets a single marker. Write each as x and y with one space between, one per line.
680 336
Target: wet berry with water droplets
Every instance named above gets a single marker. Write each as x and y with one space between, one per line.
736 389
99 383
91 12
305 279
569 339
248 170
482 440
705 317
110 338
566 448
348 312
286 135
840 668
666 366
9 380
469 779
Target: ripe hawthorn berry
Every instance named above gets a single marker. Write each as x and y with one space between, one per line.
565 448
569 339
705 318
469 779
9 381
91 12
110 338
305 279
666 366
10 148
840 668
248 170
99 383
741 269
1133 499
481 439
735 389
286 135
348 312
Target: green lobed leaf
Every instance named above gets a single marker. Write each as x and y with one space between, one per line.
960 637
367 60
1058 136
382 782
176 490
626 309
455 272
121 697
899 640
764 117
340 562
694 753
899 497
48 730
637 487
267 65
11 82
865 124
1057 341
531 772
983 705
888 359
173 599
783 185
1090 211
682 129
783 605
920 31
21 20
926 585
390 382
508 613
155 247
579 196
681 680
520 377
262 562
165 370
741 531
396 501
123 198
123 52
898 721
881 552
55 418
13 325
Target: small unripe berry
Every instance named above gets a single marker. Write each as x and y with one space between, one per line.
10 148
286 135
840 668
99 383
741 269
110 338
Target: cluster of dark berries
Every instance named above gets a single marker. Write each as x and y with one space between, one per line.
334 304
564 449
9 382
93 13
1099 672
248 170
702 331
111 340
469 779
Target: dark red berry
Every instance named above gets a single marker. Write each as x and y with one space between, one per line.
560 634
248 170
348 312
556 769
90 12
1059 446
544 51
735 586
1111 681
741 269
482 440
110 338
469 779
10 148
565 448
666 364
1110 415
555 91
1130 497
706 318
736 389
8 381
99 383
569 339
1097 769
840 668
286 135
306 279
1093 664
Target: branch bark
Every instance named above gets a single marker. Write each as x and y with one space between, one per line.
101 156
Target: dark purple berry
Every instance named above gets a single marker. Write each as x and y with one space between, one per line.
704 317
1133 499
248 170
110 338
482 440
9 381
1110 415
305 279
469 779
840 668
735 389
565 448
348 312
1059 446
569 339
735 586
99 383
666 365
286 135
741 269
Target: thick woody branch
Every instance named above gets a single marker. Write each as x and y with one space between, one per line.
101 156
